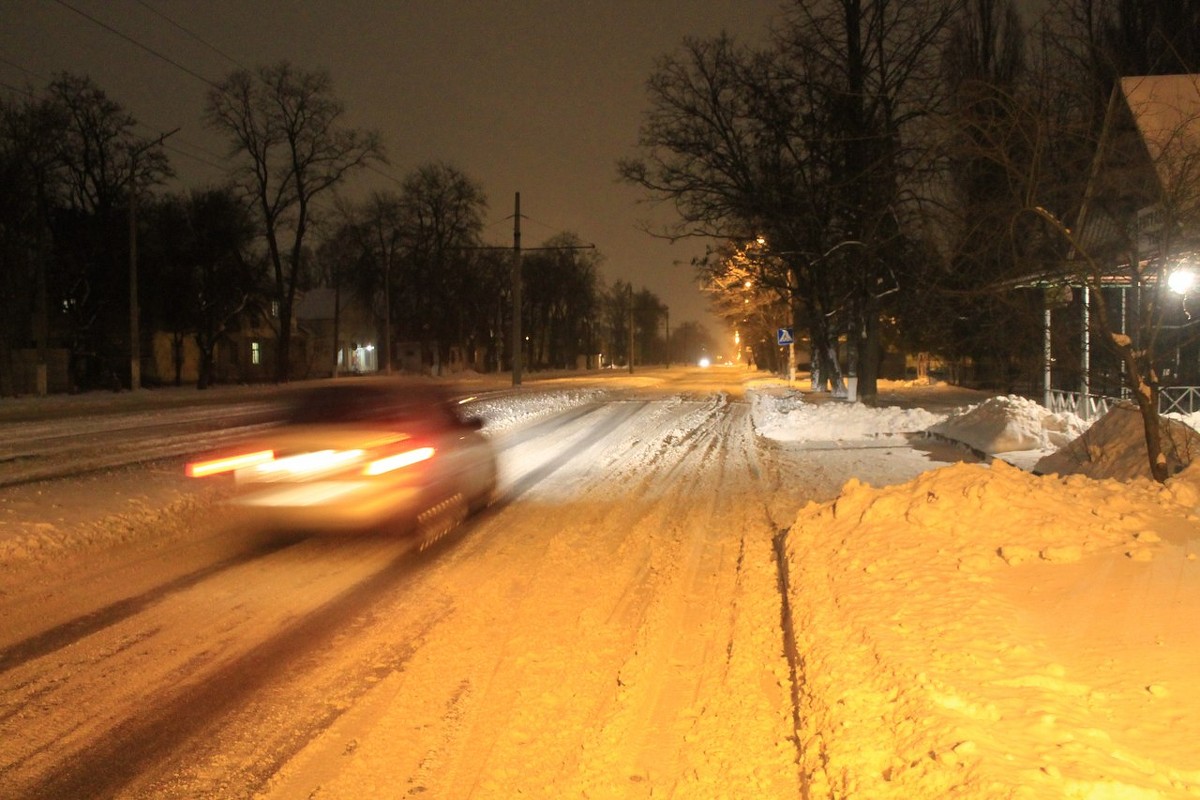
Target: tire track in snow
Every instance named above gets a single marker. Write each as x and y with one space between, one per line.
649 541
181 717
71 631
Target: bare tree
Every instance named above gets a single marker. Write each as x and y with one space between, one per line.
95 171
441 214
739 142
755 308
29 134
561 300
876 61
815 145
994 338
201 278
286 133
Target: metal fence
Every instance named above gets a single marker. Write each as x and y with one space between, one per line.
1171 400
1089 406
1179 400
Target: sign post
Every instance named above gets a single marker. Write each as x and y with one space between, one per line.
785 337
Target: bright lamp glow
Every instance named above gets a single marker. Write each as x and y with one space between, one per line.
1182 280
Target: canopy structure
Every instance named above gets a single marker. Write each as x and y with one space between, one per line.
1139 222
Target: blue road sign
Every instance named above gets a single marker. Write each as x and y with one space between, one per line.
784 336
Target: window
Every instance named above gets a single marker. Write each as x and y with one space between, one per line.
256 352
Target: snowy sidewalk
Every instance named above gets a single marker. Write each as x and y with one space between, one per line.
983 632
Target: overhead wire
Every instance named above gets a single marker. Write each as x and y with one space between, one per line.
177 65
192 34
16 89
17 66
137 44
155 130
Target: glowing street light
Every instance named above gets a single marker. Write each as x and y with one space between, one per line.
1181 280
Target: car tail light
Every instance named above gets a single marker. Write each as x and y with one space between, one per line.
301 464
398 461
269 465
216 466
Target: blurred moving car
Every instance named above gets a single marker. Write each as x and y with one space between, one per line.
363 456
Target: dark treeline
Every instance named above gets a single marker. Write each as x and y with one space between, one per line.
83 208
883 171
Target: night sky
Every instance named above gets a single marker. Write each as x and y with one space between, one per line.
540 97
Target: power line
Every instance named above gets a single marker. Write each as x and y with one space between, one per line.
199 148
138 44
377 171
196 158
12 88
183 68
195 36
155 132
17 66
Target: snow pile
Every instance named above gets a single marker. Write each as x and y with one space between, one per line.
510 411
1010 423
39 525
787 417
982 632
1115 447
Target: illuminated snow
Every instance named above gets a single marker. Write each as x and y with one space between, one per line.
978 631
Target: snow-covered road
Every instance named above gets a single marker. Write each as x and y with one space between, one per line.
612 627
616 625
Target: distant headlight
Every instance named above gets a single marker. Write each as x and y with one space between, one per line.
704 362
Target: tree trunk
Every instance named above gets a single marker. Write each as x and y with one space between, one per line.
869 356
1147 401
283 361
205 368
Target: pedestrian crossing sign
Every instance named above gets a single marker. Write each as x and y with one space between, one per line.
785 337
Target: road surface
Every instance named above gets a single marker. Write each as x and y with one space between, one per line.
611 627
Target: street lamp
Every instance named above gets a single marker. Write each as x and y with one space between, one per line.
1182 280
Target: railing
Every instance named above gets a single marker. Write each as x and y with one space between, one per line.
1171 400
1086 407
1179 399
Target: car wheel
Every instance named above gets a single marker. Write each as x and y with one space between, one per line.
485 498
436 521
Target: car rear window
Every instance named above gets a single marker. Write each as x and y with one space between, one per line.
364 404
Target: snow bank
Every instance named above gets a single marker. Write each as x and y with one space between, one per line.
786 416
1010 423
982 632
507 412
1115 447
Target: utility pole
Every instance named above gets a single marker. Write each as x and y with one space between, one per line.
135 343
667 312
517 344
631 328
387 313
516 294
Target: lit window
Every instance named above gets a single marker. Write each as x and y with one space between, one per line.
255 353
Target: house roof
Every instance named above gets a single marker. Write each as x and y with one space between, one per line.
1166 111
1148 162
1147 171
317 304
